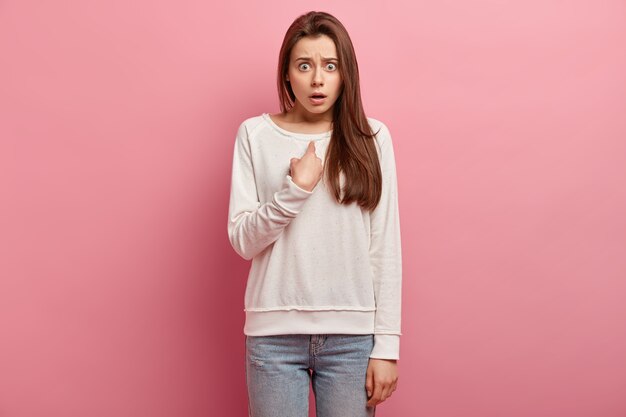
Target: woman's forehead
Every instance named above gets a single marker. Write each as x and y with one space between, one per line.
318 48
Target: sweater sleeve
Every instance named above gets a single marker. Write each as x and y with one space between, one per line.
253 226
386 257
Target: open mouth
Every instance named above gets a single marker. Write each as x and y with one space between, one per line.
317 99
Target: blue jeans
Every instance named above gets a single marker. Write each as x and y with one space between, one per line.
279 368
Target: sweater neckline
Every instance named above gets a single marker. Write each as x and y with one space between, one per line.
296 135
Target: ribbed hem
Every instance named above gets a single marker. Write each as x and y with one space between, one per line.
266 323
276 322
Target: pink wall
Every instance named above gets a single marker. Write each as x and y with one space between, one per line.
121 296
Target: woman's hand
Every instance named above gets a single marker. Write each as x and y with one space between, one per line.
381 380
307 171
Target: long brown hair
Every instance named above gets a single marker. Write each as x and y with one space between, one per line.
352 147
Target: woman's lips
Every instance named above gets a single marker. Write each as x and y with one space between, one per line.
317 99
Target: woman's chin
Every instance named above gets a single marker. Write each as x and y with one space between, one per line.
317 109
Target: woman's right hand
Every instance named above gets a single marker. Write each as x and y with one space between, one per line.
307 171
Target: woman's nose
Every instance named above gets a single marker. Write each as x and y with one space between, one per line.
318 77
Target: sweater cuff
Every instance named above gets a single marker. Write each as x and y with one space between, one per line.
386 346
291 198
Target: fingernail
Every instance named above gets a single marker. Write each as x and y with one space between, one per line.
369 393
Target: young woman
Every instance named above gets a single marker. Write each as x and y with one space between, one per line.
314 205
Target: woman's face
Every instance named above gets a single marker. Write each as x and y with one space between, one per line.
313 68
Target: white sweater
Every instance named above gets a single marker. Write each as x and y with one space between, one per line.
318 267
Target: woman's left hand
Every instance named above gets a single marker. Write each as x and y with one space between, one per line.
381 380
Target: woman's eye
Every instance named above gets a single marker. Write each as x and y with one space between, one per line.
332 68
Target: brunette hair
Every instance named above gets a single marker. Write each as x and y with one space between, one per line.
352 147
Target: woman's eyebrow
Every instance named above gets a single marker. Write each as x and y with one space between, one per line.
323 58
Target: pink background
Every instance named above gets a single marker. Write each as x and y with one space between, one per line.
121 296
